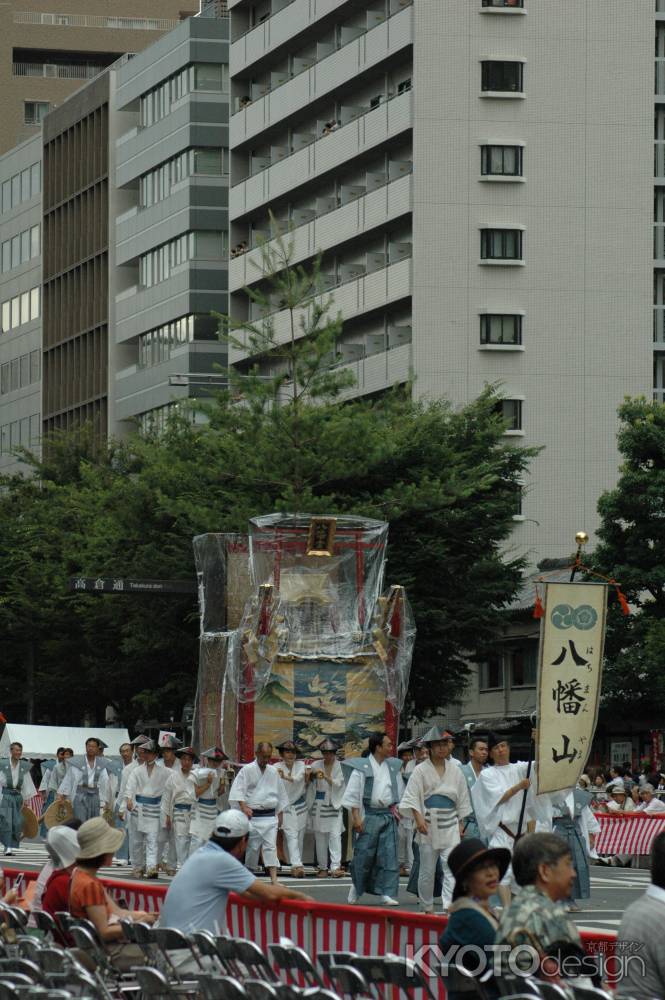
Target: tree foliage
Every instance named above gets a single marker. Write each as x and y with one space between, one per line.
284 435
632 551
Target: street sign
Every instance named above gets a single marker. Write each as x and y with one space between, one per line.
124 585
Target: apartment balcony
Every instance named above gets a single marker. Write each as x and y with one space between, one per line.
364 130
354 296
361 214
57 71
138 390
289 19
323 78
379 371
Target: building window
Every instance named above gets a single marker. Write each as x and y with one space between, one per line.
158 264
20 248
510 410
35 112
501 161
498 328
502 77
159 183
156 104
19 310
524 666
491 674
503 3
501 244
21 187
404 86
210 76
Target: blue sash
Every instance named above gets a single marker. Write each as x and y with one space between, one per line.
439 802
182 806
320 795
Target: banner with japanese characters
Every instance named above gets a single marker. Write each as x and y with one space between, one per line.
569 679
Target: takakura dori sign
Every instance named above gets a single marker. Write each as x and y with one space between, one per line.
124 585
569 680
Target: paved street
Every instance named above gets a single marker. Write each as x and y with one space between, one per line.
612 889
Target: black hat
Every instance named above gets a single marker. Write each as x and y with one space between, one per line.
495 738
214 753
287 745
170 743
189 751
467 854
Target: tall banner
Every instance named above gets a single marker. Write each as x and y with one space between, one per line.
569 678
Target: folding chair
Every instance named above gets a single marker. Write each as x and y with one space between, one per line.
587 992
168 939
14 917
24 967
46 924
391 971
251 958
347 981
154 984
141 935
28 947
552 991
318 993
221 988
295 963
205 944
259 989
329 958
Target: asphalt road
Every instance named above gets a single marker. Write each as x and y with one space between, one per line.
612 889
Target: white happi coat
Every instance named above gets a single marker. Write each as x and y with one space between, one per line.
127 770
208 804
326 811
492 783
151 785
180 790
295 814
443 822
259 789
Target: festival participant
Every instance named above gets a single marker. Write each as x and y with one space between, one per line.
405 829
497 796
127 758
89 899
145 788
86 784
197 898
16 787
438 799
52 778
650 804
478 753
643 922
177 801
167 852
292 772
258 791
570 823
472 920
372 794
131 844
537 916
211 783
327 783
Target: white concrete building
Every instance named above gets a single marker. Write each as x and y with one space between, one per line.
478 175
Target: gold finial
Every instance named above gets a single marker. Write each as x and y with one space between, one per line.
581 538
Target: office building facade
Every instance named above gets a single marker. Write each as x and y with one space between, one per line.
477 175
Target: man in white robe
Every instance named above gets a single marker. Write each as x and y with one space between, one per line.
145 788
167 852
438 799
87 784
497 798
258 791
125 817
211 785
177 802
292 772
16 788
405 829
325 794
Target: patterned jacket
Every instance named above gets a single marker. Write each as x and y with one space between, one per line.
532 919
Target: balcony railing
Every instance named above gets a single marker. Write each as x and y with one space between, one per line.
280 5
267 162
95 21
57 71
307 64
503 3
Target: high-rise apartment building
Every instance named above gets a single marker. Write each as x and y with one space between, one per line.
477 175
49 48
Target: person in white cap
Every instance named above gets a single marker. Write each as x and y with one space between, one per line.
196 899
62 847
258 791
145 788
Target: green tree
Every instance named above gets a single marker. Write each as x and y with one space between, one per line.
632 551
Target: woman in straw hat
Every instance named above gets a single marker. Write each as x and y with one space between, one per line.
88 897
477 871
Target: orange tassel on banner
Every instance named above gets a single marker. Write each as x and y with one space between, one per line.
623 602
538 609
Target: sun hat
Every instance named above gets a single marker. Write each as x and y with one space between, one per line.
617 788
470 852
96 837
231 823
62 846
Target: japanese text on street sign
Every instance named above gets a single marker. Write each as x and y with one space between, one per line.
570 670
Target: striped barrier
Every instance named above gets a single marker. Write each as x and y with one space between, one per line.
627 833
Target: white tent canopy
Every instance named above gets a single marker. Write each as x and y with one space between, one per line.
43 741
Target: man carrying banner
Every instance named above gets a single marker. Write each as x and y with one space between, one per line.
16 787
438 799
497 798
372 794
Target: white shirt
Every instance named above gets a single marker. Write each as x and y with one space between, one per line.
149 783
656 892
16 769
655 806
259 789
382 793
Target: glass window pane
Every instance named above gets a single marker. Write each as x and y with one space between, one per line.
496 159
16 312
16 250
35 430
16 189
34 241
25 246
6 255
35 365
4 378
25 307
509 160
25 370
6 316
14 381
35 178
25 185
208 76
207 161
34 303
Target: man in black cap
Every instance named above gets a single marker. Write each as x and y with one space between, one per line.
168 746
497 797
292 772
177 802
211 785
326 816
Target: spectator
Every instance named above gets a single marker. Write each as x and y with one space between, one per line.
62 846
643 978
48 869
635 796
537 916
196 899
88 897
477 871
650 804
619 801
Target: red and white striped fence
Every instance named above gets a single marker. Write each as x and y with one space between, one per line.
627 833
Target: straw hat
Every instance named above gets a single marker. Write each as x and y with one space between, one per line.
96 837
30 824
57 813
